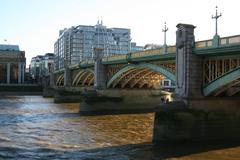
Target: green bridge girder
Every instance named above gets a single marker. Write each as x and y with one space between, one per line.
149 66
221 81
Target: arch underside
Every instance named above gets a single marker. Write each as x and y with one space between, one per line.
227 85
140 76
60 80
83 78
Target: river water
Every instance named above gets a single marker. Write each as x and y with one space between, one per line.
32 127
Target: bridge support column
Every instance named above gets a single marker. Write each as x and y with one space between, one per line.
67 77
48 90
193 117
51 81
99 70
188 65
8 73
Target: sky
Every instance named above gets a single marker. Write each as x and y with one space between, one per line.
34 24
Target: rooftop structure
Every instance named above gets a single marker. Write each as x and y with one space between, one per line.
4 47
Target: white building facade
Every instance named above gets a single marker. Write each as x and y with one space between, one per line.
77 44
41 65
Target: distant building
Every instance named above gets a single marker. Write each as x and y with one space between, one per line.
47 63
41 65
12 64
152 46
135 48
77 44
34 68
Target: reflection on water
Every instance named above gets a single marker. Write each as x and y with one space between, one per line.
32 127
31 122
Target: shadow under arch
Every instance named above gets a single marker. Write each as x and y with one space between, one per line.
149 66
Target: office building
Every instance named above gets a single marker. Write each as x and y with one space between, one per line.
76 44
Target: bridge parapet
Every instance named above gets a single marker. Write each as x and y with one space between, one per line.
224 42
59 71
145 53
74 66
203 44
86 63
232 40
114 58
125 58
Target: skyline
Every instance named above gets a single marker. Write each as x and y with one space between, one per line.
34 25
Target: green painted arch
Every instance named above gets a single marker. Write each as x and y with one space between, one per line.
149 66
221 81
80 73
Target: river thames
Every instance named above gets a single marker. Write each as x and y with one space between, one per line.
32 127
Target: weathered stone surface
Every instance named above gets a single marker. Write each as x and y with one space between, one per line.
188 65
67 77
64 96
48 92
195 125
99 70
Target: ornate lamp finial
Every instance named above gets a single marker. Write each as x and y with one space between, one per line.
216 18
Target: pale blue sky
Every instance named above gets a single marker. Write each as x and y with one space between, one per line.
34 24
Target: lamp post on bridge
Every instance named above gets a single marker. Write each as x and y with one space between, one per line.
216 18
216 38
165 29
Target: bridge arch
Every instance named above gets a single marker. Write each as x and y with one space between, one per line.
135 70
83 77
60 80
222 83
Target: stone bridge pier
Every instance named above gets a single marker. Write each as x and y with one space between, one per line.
194 117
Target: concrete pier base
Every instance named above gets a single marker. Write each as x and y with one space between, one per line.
120 101
48 92
176 122
117 105
67 97
227 104
67 94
